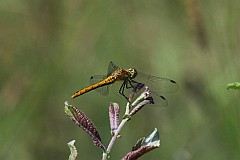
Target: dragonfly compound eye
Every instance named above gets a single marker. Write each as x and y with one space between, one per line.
132 73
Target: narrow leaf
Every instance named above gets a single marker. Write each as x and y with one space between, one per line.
114 111
235 85
85 123
143 101
73 151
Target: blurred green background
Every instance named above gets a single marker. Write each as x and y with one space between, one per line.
49 49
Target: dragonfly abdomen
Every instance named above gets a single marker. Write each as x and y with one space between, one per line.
107 81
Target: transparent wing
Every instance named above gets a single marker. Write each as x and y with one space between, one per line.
111 68
157 85
159 100
115 87
97 78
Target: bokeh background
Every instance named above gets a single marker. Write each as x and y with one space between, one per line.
49 49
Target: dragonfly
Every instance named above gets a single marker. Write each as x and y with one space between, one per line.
124 80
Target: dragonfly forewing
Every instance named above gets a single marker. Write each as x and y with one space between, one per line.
111 68
157 85
159 100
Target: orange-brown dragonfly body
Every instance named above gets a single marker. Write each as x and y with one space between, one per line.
129 78
117 75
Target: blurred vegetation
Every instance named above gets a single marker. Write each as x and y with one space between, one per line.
49 49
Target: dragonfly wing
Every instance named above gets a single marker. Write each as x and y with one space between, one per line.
159 101
97 78
157 84
115 88
111 68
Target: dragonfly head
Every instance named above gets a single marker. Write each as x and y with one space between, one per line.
132 73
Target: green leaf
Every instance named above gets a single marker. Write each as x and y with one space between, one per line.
235 85
152 139
143 146
67 110
73 150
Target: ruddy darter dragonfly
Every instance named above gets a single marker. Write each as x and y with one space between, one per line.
128 79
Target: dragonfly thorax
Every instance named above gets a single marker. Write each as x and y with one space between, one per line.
132 73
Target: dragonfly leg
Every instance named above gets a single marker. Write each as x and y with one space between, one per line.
121 90
132 84
127 85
